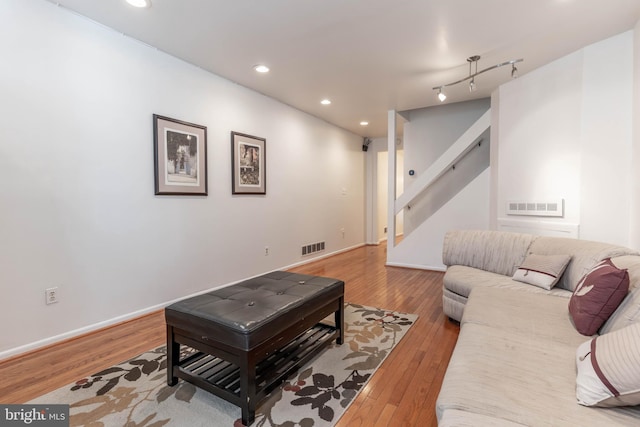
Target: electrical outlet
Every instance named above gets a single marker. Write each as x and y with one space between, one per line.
51 295
266 250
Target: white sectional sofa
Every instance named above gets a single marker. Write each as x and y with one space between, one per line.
515 362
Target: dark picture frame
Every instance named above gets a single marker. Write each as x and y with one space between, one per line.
248 164
180 157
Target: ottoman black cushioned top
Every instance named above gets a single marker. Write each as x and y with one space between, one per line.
246 306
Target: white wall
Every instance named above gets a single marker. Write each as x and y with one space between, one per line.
428 133
377 196
76 158
539 129
565 132
468 209
634 239
605 137
383 192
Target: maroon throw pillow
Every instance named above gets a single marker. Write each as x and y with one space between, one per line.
597 296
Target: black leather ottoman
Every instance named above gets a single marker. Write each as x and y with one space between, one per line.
251 336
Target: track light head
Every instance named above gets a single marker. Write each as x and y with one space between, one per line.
441 96
514 71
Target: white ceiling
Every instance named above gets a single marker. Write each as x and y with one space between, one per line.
367 56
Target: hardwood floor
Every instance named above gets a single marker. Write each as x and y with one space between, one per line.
401 393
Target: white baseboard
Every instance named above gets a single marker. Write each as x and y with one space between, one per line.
416 266
77 332
119 319
317 258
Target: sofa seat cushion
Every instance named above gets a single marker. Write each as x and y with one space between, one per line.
457 418
461 280
521 378
526 313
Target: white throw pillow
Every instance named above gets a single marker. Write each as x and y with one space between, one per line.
543 271
609 369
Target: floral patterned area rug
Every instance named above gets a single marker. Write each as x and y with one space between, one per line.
135 393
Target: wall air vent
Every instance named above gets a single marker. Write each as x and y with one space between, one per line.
554 207
312 248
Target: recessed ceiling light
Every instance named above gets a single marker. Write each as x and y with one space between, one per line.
364 123
139 3
325 102
261 68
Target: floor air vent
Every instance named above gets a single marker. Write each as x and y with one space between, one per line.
312 248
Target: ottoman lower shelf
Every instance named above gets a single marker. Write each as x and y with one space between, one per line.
223 378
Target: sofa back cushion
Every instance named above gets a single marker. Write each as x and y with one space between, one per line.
629 310
495 251
585 255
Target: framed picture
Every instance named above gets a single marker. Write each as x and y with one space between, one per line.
248 164
180 152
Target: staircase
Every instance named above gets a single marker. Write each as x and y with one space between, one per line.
456 182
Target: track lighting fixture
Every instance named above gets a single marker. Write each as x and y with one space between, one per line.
473 72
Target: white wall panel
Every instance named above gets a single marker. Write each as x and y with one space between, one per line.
468 209
565 132
605 139
76 159
539 137
634 239
429 133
